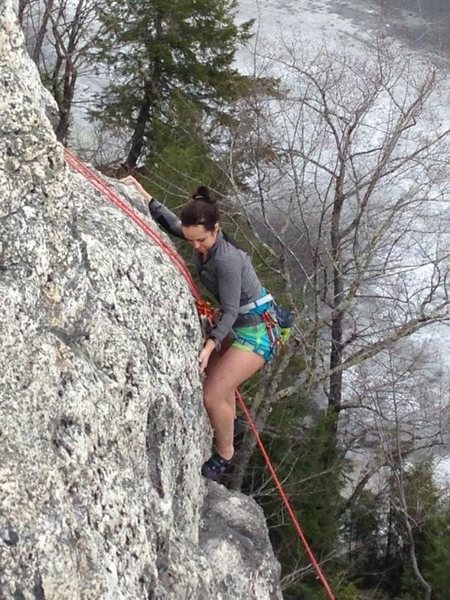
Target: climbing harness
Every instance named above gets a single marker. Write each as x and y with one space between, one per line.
276 316
102 186
206 315
271 326
285 319
259 302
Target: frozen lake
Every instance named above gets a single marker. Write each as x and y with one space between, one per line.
423 24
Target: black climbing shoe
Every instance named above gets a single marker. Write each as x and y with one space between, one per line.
215 467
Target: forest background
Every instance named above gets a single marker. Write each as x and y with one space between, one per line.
331 165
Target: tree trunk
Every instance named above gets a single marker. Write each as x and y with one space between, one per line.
335 393
70 78
23 5
151 90
337 346
42 32
68 53
137 141
427 589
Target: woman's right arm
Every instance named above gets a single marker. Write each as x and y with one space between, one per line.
166 218
162 215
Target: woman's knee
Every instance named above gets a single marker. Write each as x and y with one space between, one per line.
208 395
207 401
213 396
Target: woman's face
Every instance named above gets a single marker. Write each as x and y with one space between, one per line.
200 238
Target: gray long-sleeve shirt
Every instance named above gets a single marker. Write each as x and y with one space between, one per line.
227 273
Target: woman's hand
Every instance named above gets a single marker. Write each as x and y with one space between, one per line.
138 186
205 353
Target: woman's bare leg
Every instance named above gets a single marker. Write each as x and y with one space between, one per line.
232 369
214 360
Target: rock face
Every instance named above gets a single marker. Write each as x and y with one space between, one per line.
102 429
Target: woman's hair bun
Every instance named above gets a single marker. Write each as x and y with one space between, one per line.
202 193
201 210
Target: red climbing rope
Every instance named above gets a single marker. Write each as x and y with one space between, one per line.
285 500
103 187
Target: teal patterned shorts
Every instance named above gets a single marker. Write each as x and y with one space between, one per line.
256 338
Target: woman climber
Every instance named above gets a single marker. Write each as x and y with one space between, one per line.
243 336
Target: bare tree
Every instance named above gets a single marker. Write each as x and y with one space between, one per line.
350 192
349 187
407 425
60 34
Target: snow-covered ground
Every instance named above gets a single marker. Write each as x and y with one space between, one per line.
422 25
313 19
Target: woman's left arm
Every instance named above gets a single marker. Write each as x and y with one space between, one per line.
205 353
229 282
130 179
229 278
162 215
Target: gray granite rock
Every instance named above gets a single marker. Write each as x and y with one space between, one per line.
230 536
102 428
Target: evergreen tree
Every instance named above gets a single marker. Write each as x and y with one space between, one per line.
185 156
300 455
429 510
157 49
379 547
